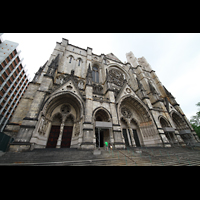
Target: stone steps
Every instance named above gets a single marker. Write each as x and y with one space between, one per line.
128 157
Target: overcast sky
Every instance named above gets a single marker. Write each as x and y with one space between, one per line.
175 57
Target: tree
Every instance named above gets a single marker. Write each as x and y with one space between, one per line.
195 121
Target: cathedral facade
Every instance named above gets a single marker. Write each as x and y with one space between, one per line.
78 99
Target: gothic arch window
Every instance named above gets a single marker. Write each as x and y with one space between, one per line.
95 74
79 60
70 59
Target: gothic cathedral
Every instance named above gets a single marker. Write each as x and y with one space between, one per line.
78 99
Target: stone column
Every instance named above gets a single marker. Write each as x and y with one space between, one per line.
88 127
132 136
111 136
60 135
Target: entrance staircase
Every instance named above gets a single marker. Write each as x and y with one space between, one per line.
150 156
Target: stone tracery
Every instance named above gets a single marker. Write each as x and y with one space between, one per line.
126 112
116 77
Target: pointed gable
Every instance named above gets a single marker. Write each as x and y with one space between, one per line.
69 86
113 57
126 90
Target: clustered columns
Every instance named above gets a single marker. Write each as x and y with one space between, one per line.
61 133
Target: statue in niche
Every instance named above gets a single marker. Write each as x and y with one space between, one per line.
60 80
43 126
77 129
81 84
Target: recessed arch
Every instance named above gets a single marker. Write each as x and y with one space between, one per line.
163 121
102 113
137 106
57 116
178 121
60 98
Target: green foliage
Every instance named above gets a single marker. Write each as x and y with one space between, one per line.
195 121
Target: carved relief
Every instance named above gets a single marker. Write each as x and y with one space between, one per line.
128 90
61 79
65 109
97 88
126 112
77 129
43 126
81 84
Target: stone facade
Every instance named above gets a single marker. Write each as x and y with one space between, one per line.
75 88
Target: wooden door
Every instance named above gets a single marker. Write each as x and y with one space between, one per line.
66 137
53 136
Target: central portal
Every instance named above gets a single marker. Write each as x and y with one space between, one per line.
102 127
104 137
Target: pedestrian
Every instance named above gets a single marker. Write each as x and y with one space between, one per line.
106 144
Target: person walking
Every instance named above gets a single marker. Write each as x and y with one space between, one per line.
106 144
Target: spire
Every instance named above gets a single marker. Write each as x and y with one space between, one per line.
53 66
112 56
38 73
54 62
89 76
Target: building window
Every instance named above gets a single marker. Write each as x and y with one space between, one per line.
79 62
95 74
70 59
8 59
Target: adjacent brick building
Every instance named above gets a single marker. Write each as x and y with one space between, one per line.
13 80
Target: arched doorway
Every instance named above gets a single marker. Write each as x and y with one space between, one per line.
168 131
131 132
63 114
182 128
139 124
55 131
179 122
102 116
